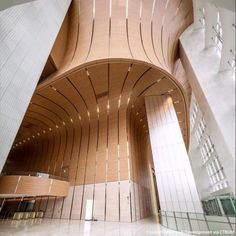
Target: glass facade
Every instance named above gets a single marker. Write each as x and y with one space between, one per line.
210 160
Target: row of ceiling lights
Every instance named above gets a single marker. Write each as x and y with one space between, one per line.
88 113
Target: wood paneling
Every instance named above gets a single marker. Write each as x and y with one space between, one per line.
32 186
89 117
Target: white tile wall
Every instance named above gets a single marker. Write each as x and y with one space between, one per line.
99 202
24 30
112 202
88 195
175 182
125 207
133 201
137 201
215 94
67 204
123 201
77 201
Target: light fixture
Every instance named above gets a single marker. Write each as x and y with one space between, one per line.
53 88
128 100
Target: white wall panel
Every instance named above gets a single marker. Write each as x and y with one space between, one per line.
99 202
215 95
112 202
125 207
175 182
77 201
25 29
67 204
88 195
133 210
137 200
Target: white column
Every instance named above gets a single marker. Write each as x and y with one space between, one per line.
175 181
227 19
27 34
197 5
211 21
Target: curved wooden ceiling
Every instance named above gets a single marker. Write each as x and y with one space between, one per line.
117 52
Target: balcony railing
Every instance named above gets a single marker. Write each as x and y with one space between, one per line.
198 223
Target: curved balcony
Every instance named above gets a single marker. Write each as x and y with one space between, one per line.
32 184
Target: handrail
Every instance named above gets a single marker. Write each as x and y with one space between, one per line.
198 223
37 174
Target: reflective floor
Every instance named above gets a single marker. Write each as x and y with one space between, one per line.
46 227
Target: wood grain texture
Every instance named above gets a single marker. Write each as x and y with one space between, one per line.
32 186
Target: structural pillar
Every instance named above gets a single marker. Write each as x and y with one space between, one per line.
175 181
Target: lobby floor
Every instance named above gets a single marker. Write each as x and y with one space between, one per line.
54 227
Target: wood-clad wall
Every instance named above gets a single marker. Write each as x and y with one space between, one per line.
87 120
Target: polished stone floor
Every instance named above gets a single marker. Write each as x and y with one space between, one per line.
48 227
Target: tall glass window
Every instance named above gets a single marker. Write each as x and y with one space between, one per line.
217 38
209 156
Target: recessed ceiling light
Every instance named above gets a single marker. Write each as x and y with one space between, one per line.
54 88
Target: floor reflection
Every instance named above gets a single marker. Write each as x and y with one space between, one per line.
54 227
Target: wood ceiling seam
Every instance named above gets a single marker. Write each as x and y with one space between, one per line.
91 38
76 172
46 98
89 129
152 39
140 31
77 37
44 116
56 114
